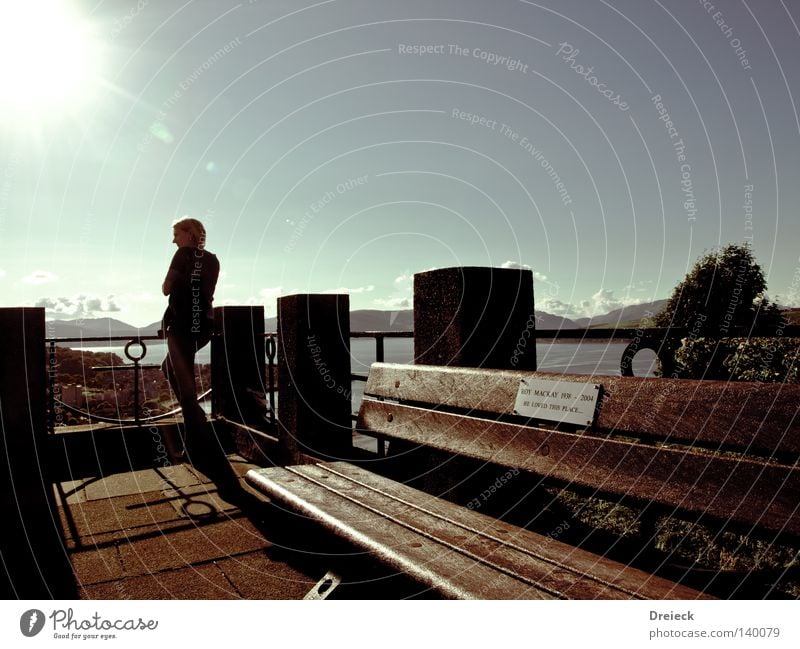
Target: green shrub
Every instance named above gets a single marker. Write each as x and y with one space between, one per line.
740 359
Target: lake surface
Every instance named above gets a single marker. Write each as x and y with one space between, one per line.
573 357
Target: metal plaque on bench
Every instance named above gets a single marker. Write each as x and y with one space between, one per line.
558 401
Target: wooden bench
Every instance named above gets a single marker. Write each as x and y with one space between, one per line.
702 451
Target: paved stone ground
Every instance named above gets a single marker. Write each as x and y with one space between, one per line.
166 533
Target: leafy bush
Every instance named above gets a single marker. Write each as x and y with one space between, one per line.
740 359
725 289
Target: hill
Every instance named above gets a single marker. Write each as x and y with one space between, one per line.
360 320
93 327
626 316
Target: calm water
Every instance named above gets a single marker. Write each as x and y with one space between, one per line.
579 358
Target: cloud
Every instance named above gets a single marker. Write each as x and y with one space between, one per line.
392 303
351 291
2 273
557 307
401 297
39 277
539 277
516 265
602 302
82 306
271 293
404 281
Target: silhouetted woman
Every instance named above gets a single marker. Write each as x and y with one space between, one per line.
188 325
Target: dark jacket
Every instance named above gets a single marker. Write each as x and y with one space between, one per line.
193 273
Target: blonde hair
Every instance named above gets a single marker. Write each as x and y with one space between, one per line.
193 227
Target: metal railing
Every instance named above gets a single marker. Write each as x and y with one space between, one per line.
55 405
271 353
663 341
136 366
380 349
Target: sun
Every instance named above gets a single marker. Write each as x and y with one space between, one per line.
49 61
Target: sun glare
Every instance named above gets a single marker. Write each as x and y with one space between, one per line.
48 59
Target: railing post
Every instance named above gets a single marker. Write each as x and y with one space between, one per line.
379 348
314 375
238 365
475 317
34 563
271 352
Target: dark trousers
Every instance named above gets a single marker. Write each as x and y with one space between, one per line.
202 446
178 367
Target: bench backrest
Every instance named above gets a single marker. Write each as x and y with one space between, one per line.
725 450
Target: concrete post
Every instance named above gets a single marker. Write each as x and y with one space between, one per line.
238 365
475 317
34 557
315 412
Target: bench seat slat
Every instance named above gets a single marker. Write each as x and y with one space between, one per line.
540 559
756 417
456 551
728 488
451 574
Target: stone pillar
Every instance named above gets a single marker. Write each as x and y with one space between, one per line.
238 365
34 557
314 394
475 317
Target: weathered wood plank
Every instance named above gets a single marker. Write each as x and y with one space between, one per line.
741 490
459 553
555 566
444 570
756 417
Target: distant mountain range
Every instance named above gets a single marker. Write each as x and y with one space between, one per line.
360 320
625 315
374 320
96 327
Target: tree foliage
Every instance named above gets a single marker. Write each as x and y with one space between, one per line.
722 302
725 290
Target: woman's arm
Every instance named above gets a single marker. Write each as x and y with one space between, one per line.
174 274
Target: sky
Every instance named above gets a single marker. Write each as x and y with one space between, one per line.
345 145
